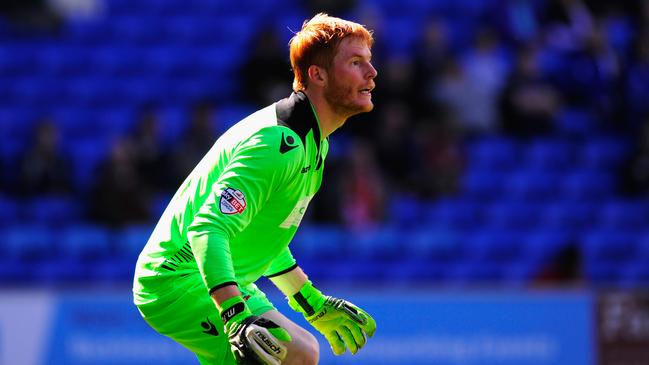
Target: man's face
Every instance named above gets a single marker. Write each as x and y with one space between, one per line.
350 79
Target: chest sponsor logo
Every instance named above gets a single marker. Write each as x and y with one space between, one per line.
294 219
232 201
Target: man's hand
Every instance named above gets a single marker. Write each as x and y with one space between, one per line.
253 340
342 323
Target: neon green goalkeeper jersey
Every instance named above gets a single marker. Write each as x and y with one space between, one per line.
232 219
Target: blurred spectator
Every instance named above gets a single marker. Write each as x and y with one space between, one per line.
565 267
149 151
442 159
44 169
568 24
118 196
635 172
518 20
637 78
454 94
196 141
486 68
429 58
267 74
529 102
469 88
338 8
398 83
35 14
595 76
363 190
394 145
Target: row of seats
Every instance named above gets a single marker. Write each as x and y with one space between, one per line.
550 153
457 213
79 252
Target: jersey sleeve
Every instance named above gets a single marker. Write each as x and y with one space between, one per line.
255 169
284 262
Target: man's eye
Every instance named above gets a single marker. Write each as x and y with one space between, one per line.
356 63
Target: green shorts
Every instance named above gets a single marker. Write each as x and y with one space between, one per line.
192 320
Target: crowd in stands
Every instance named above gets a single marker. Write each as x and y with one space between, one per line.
448 77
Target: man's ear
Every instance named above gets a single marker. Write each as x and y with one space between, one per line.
317 75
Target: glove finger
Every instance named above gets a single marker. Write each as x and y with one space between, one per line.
361 317
355 330
370 326
336 343
348 338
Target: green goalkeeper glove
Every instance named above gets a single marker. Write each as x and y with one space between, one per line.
253 340
343 324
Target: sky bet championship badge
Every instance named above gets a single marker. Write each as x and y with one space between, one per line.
232 201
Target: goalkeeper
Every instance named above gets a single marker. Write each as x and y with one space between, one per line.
232 219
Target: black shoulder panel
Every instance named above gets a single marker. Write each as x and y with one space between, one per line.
295 113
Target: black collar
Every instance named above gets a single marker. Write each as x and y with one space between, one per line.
295 112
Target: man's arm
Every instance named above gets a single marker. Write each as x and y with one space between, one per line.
291 282
342 323
219 296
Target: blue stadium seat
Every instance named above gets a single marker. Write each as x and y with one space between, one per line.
87 156
575 122
60 61
569 216
453 213
401 34
138 29
602 245
130 240
17 59
120 266
228 115
549 154
9 211
434 244
321 242
543 244
496 246
119 60
27 242
624 215
385 243
35 90
158 203
532 185
12 269
75 122
635 274
604 274
116 121
475 273
483 185
494 154
53 210
405 210
18 122
512 214
87 34
84 242
173 120
604 152
585 185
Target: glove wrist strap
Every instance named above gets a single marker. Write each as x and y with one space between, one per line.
234 308
308 300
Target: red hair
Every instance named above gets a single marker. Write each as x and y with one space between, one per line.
317 42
